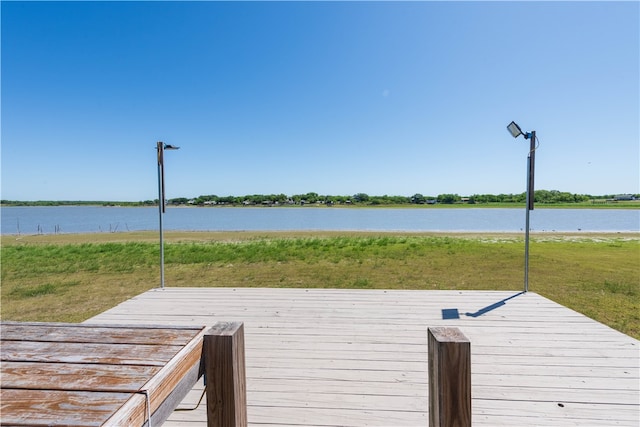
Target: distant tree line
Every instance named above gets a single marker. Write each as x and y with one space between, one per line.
540 196
362 199
70 203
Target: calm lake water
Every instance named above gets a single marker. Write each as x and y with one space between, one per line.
89 219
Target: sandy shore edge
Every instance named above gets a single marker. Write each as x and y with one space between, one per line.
208 236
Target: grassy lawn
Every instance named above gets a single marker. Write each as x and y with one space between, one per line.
73 277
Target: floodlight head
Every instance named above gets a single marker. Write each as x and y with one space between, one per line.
514 130
170 147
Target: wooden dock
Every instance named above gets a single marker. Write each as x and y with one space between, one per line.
323 357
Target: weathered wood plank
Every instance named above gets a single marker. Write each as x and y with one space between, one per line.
115 354
415 354
57 407
521 364
72 376
311 416
65 332
575 411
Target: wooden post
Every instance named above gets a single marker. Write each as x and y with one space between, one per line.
225 375
449 378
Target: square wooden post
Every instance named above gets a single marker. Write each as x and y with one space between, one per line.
224 369
449 378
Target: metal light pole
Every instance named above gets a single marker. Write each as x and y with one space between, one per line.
515 131
160 147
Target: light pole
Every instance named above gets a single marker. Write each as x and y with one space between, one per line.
160 147
515 131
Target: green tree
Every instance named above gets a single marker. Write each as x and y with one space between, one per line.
360 197
448 198
418 199
178 201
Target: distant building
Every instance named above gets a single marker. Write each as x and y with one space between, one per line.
621 197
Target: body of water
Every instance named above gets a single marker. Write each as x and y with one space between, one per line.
91 219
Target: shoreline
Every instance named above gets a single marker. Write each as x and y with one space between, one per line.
460 205
209 236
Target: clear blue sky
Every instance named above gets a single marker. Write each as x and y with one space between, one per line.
327 97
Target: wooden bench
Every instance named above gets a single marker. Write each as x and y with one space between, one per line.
111 375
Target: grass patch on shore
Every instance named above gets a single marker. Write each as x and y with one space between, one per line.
70 278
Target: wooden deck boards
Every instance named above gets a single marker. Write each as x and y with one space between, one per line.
327 357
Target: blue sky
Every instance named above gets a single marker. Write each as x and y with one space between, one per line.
328 97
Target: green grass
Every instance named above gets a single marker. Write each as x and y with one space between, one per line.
68 278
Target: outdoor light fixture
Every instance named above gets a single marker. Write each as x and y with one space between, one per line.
161 147
515 131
